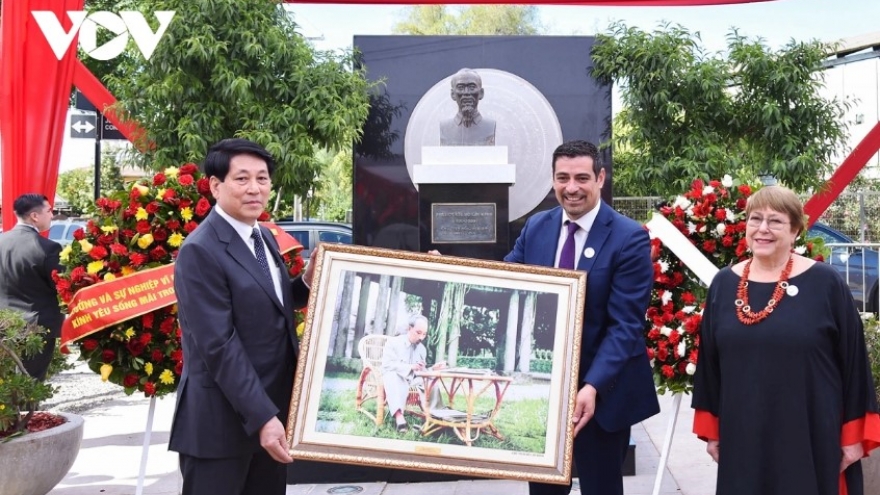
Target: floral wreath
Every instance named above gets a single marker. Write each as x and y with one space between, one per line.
712 217
134 230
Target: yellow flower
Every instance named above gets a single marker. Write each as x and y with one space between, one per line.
171 171
175 240
127 270
129 333
86 245
106 369
186 213
2 407
145 240
300 330
141 214
64 255
109 276
109 229
148 368
94 267
142 189
166 377
160 192
173 309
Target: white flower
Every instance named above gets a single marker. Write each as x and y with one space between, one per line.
800 249
726 181
652 362
708 190
666 331
681 202
688 309
666 297
681 348
703 229
663 266
720 228
692 228
731 216
690 369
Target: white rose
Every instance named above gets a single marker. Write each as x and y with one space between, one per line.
690 369
727 180
666 331
681 202
681 348
720 228
708 190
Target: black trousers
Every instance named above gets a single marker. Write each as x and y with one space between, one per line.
256 474
599 456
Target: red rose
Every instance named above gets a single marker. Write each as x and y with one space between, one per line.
89 345
203 207
135 347
143 227
721 214
667 371
190 226
160 235
650 353
745 190
130 380
152 207
189 168
150 389
128 233
688 298
178 368
79 234
146 338
158 253
185 180
177 355
169 195
185 202
662 352
61 283
709 246
98 252
203 185
147 320
654 334
134 193
158 179
108 355
263 216
172 225
167 326
106 239
674 337
77 274
157 355
118 249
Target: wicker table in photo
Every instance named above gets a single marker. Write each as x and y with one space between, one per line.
472 384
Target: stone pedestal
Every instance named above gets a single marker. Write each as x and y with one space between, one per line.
464 200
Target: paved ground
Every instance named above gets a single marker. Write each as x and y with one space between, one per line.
110 455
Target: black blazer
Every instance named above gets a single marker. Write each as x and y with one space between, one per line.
238 339
26 263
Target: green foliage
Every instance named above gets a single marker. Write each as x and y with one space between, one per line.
691 114
19 392
473 20
77 186
872 341
332 198
238 68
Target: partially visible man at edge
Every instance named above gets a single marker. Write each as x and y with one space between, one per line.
617 387
27 260
236 306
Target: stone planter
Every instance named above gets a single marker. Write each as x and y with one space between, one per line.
34 463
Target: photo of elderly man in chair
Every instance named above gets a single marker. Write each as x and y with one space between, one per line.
404 356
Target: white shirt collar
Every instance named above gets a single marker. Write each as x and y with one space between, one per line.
585 222
244 230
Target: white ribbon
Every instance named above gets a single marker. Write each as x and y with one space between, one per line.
682 247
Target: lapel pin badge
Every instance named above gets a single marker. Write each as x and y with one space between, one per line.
589 252
791 290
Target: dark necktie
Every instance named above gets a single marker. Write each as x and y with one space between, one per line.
566 257
260 252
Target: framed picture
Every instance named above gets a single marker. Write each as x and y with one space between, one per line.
438 363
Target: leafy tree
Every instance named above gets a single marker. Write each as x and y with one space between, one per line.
77 186
238 68
475 20
690 114
332 197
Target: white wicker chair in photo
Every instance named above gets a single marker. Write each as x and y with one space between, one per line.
370 388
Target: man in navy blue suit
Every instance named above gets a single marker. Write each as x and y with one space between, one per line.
616 387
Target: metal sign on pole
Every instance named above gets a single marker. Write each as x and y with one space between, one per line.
83 126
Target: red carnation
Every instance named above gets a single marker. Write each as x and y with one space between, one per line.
61 283
89 345
77 274
189 168
158 179
667 371
650 353
160 235
169 195
654 334
79 234
185 202
156 356
135 347
178 368
662 352
106 239
150 389
177 355
143 227
185 179
190 226
146 338
118 249
204 186
128 233
709 246
98 252
147 320
152 207
172 225
264 216
108 355
745 190
130 380
158 253
138 259
167 326
721 214
203 207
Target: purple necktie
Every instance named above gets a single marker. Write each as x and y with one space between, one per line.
566 257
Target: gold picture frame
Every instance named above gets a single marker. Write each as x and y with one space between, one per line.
510 336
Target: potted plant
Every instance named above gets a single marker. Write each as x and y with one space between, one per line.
30 438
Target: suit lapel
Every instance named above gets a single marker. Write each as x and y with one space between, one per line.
549 231
596 238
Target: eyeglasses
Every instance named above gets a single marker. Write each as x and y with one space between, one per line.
774 224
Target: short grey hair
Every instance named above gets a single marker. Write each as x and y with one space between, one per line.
416 318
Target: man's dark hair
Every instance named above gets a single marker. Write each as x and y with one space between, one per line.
576 148
216 164
26 203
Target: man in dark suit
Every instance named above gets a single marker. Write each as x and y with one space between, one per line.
236 306
27 260
617 388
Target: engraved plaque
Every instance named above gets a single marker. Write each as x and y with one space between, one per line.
462 223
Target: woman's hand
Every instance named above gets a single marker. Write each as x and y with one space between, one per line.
851 454
713 448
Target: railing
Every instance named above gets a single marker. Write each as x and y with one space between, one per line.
857 263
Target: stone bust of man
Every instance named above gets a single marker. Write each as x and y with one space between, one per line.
468 127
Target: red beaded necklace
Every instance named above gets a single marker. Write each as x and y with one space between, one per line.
744 311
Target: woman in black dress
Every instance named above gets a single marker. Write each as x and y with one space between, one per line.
783 391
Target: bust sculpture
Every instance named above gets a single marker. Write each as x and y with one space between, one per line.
468 127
